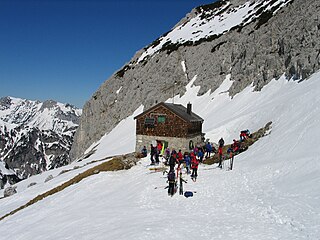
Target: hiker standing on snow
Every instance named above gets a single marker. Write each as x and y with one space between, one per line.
200 155
208 150
166 155
159 150
180 157
172 161
157 155
187 161
221 144
152 153
194 165
179 161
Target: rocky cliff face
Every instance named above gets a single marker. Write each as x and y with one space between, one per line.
254 41
35 136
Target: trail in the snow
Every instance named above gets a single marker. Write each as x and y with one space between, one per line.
225 204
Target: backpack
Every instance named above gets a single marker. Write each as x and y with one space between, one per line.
188 194
194 163
172 160
171 176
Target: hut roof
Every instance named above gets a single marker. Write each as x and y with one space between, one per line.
178 109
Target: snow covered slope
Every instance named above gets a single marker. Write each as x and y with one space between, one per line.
272 193
35 136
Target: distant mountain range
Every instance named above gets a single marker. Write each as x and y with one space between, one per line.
35 136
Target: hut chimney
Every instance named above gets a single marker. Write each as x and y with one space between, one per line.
189 105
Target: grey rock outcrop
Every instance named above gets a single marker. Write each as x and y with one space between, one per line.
31 184
9 191
49 178
278 41
7 176
2 183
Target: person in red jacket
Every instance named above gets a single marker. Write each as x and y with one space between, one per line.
180 160
221 144
194 165
159 146
180 156
235 146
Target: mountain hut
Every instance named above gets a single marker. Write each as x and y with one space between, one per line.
174 125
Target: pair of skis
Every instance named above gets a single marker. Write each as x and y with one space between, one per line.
230 162
181 184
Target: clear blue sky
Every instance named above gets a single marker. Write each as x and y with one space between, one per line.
64 50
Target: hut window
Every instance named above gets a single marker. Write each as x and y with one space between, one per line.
161 119
149 122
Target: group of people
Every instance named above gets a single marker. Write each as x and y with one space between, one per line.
234 148
190 160
244 134
155 152
204 150
176 161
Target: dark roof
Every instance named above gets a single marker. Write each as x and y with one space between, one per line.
178 109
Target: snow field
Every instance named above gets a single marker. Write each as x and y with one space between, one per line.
272 193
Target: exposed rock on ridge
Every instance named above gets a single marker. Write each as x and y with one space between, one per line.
270 41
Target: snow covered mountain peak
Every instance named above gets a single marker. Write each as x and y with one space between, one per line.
48 115
212 20
36 136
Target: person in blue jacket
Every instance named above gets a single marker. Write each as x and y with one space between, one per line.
208 149
144 151
200 155
187 160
